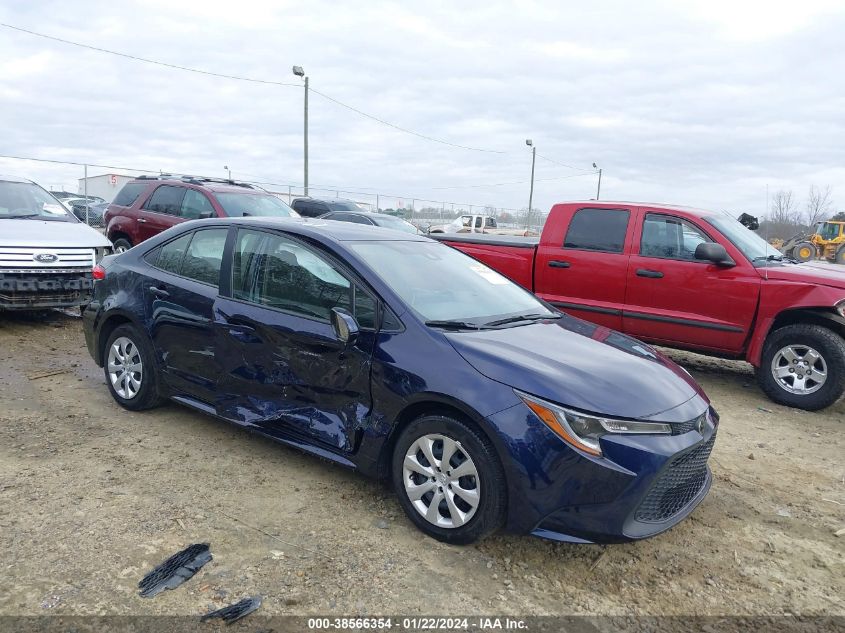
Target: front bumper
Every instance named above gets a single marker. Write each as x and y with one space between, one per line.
642 485
45 289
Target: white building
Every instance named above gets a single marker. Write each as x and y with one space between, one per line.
105 186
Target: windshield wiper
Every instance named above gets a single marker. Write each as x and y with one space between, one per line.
522 317
448 324
20 216
768 258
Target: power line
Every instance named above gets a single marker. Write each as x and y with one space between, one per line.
518 182
268 82
563 164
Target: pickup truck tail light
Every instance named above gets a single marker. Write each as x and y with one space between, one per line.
98 272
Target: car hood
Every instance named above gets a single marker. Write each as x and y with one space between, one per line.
583 366
807 273
50 234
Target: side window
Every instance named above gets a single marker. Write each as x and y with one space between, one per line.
478 222
279 273
127 196
670 237
195 204
166 199
490 223
204 256
466 220
171 254
597 230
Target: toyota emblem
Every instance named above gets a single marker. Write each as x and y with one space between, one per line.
45 258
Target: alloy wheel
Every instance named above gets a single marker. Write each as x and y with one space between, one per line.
799 369
125 368
441 481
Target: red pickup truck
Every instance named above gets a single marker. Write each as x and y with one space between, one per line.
690 279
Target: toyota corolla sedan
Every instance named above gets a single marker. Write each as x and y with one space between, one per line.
405 359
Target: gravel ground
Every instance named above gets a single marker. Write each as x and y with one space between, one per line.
94 496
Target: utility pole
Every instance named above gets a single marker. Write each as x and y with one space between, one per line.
530 144
297 70
598 189
226 167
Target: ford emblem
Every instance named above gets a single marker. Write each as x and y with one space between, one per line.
45 258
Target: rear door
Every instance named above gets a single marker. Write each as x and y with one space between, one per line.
284 368
585 273
180 296
160 211
674 298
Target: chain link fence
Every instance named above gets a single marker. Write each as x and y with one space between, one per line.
86 189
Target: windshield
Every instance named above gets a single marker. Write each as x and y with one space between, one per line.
752 245
828 231
19 200
342 205
442 284
239 204
397 224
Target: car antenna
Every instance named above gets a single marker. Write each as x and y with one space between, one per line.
768 216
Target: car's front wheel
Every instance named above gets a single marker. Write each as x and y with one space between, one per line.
803 366
129 370
449 479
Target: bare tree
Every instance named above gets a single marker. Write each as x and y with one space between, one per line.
819 202
783 209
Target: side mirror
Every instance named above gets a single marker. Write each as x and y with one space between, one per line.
345 326
205 215
712 252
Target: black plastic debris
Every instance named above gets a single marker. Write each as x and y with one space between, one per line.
234 611
175 570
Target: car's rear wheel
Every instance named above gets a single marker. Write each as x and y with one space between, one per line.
449 480
121 245
129 369
803 366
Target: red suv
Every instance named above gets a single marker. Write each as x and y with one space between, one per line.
148 205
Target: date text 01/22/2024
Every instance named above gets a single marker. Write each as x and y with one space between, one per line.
417 624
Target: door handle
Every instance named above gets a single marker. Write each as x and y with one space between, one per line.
141 221
654 274
556 263
161 293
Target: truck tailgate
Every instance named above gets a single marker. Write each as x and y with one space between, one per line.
511 256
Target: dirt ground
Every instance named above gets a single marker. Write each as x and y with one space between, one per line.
94 496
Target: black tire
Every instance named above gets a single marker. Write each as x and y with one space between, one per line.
489 514
804 251
827 343
121 244
147 395
840 255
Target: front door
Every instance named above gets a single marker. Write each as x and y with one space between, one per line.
677 299
180 304
160 211
284 368
585 275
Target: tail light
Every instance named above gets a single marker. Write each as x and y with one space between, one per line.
98 272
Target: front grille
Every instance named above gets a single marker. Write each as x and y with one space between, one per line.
678 484
679 428
25 258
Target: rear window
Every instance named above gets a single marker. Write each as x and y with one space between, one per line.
127 196
598 230
166 199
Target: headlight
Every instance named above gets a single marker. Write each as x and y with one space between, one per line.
582 430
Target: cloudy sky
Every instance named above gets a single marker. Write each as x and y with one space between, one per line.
704 102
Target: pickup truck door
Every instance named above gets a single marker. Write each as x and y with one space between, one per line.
584 273
674 298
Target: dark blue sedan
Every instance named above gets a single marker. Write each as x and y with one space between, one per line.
405 359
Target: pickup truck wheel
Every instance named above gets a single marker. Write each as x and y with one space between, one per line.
804 251
121 245
803 366
130 370
449 480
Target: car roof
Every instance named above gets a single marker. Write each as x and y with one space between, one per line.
321 230
213 185
608 204
15 179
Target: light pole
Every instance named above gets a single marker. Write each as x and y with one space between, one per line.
297 70
598 189
530 144
226 167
